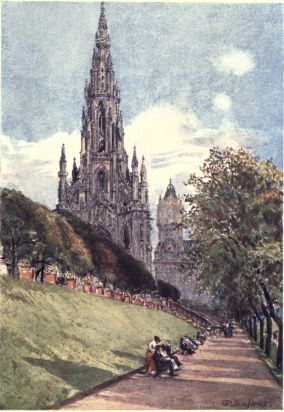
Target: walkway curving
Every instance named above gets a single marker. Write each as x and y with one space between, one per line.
223 374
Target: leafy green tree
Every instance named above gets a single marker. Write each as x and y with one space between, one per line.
17 233
235 216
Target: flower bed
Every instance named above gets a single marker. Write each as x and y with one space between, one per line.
108 293
71 283
118 296
26 273
24 263
99 290
87 288
49 277
50 273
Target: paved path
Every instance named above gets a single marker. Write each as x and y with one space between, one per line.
223 374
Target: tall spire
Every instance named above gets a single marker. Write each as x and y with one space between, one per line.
134 159
143 183
143 173
62 158
62 174
102 37
75 171
135 176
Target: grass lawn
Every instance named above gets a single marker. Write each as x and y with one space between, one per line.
57 342
271 360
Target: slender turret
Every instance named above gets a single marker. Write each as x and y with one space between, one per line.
62 174
135 176
143 183
75 171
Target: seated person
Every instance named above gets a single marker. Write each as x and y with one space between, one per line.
194 342
174 359
186 346
150 363
200 337
162 361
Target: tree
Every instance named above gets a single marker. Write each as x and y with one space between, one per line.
17 235
235 217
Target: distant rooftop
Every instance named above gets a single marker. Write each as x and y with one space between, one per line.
171 191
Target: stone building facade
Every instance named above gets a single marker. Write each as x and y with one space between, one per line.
103 191
171 247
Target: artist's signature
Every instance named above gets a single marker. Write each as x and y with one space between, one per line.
249 404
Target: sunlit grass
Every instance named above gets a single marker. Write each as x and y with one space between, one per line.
57 342
271 360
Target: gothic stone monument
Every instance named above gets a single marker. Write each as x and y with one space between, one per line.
103 191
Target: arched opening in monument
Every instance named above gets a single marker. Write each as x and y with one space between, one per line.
102 181
102 128
126 238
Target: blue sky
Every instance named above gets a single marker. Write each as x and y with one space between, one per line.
191 76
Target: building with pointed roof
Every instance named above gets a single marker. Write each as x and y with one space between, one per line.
103 191
172 246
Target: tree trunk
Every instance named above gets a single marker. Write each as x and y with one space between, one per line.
278 320
255 328
247 326
250 327
261 333
279 355
268 334
42 270
14 260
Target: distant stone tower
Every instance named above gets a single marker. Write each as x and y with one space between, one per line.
103 191
171 247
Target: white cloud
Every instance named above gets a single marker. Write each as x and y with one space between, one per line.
32 167
222 102
175 144
161 133
237 62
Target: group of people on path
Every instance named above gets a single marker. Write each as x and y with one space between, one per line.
228 328
160 358
189 345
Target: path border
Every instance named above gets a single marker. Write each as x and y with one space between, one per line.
80 395
264 358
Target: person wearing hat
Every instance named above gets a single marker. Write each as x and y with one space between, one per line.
150 363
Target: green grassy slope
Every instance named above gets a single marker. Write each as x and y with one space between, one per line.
57 342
